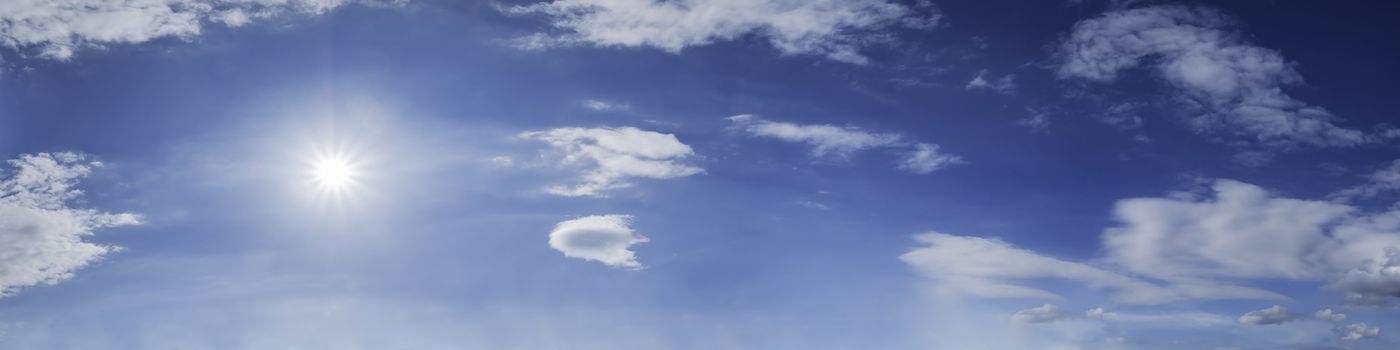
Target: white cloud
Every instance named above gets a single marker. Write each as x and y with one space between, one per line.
1379 182
836 29
1357 331
1375 282
1043 314
1004 85
1270 316
990 268
605 106
1100 313
56 29
1236 86
1191 246
613 155
826 140
841 142
926 159
41 236
601 238
1242 231
1329 315
1038 121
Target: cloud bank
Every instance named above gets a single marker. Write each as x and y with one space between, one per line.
42 238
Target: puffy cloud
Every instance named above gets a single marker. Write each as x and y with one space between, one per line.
58 28
601 238
1273 315
926 159
1329 315
1043 314
842 142
990 268
605 106
836 29
42 238
1375 282
614 155
1242 232
1005 85
1237 87
1356 331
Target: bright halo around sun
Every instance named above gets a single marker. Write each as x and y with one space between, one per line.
336 175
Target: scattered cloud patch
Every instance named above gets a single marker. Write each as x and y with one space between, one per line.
1237 231
991 268
1236 87
835 29
1043 314
1356 331
1038 121
42 237
1100 313
925 158
615 155
1270 316
1379 182
1004 85
1192 246
58 29
1376 282
1329 315
830 141
602 238
813 205
826 140
605 106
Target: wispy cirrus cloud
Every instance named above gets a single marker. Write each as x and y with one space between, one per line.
613 156
1236 88
58 29
830 141
835 29
42 236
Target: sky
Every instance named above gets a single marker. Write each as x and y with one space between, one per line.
699 174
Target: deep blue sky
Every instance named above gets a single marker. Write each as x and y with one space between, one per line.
211 139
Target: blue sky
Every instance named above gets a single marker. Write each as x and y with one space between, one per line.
698 174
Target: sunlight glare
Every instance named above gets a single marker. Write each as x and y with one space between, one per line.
334 173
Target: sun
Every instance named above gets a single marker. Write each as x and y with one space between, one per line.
334 174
